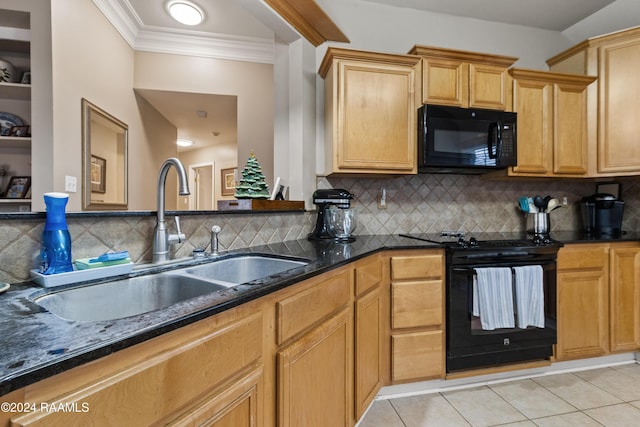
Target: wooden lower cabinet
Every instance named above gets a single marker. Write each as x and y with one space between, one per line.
624 270
314 379
198 373
598 299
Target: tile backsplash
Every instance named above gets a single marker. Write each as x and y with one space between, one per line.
416 203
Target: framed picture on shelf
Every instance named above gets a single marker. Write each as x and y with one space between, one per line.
228 181
20 131
18 187
26 78
98 174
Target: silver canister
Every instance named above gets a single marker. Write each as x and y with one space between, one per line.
538 223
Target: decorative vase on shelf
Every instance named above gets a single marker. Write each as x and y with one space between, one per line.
252 184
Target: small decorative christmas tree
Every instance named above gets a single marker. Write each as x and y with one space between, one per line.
252 185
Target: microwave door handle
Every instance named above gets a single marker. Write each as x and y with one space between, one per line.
495 128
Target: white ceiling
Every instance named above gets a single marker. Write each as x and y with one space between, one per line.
556 15
229 24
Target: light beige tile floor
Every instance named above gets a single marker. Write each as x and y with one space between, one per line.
600 397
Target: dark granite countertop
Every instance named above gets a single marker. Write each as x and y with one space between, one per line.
37 344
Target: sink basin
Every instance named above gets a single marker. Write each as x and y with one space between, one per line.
243 269
138 295
123 298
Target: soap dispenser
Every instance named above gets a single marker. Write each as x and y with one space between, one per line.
55 251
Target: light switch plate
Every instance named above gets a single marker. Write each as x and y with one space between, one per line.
70 184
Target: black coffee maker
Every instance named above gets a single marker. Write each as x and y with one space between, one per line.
602 214
324 199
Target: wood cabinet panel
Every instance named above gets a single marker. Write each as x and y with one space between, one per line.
625 298
552 123
167 380
464 79
369 275
416 304
239 405
315 378
411 267
488 86
417 355
368 350
583 301
445 82
370 112
533 101
618 148
582 314
303 309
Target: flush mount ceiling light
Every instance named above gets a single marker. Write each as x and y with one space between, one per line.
184 142
185 12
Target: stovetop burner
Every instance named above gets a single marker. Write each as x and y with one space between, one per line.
484 240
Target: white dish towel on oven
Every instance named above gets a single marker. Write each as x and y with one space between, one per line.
529 296
493 297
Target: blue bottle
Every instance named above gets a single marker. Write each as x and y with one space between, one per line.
55 252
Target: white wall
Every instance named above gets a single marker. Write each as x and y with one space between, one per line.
252 83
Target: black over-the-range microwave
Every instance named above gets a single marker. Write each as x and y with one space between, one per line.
465 140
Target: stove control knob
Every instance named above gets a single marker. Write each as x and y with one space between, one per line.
462 243
473 242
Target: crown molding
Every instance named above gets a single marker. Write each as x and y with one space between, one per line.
152 39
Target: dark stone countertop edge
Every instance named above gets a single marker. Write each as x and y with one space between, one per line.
121 214
324 257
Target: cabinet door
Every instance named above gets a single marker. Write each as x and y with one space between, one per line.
569 129
239 405
417 355
624 285
487 86
533 103
618 106
368 350
582 313
377 117
315 377
445 82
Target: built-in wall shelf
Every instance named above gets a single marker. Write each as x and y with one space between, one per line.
14 201
15 142
19 91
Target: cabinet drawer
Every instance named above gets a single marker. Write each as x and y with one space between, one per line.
583 257
417 355
417 267
302 310
369 275
416 304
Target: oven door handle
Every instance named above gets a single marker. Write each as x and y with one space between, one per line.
492 256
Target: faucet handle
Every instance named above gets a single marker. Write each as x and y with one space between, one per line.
179 237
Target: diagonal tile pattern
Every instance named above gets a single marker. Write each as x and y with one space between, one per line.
600 397
416 203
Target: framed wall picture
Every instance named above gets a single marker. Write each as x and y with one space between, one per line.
228 181
18 187
98 174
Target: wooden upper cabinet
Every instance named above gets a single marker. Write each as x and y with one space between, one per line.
370 112
552 123
464 79
613 106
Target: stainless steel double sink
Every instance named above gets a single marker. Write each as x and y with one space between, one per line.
137 295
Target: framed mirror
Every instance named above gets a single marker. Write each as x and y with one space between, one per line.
104 159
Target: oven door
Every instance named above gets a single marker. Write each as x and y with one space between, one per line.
470 346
